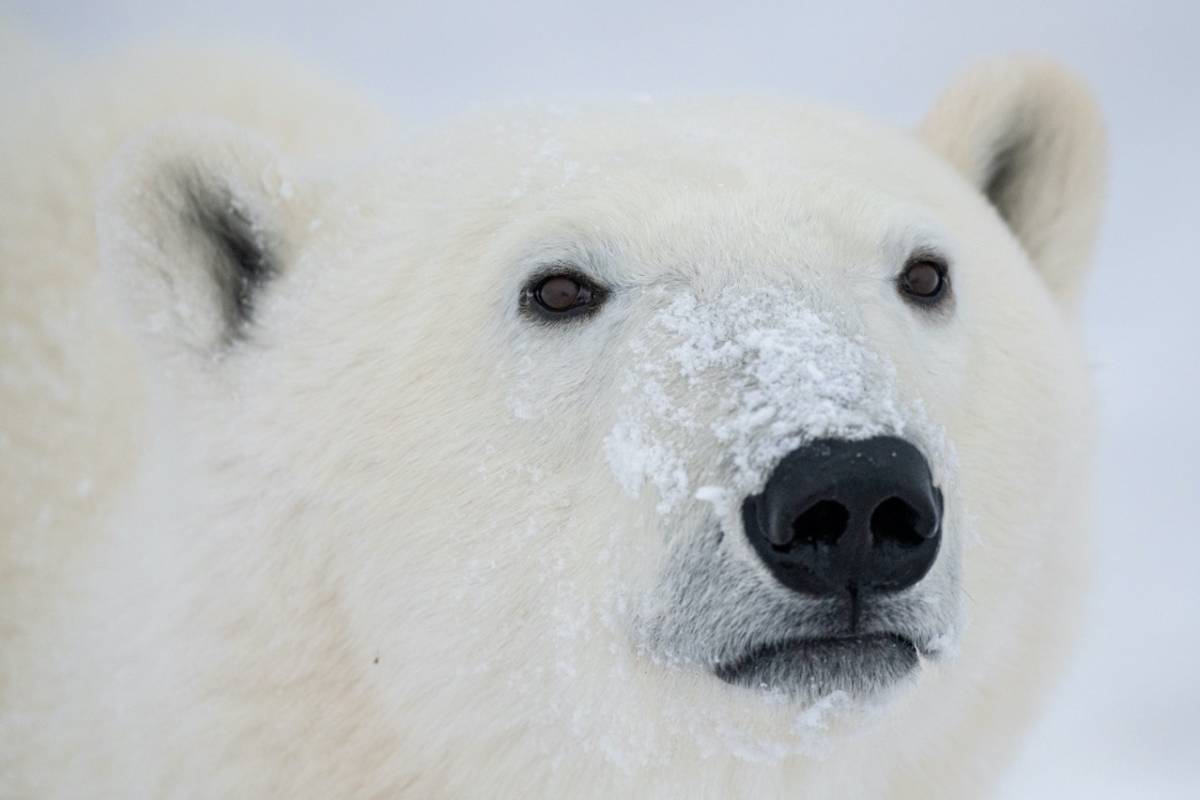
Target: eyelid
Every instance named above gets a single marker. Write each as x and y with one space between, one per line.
557 269
924 254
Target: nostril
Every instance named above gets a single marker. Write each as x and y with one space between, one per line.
897 522
823 523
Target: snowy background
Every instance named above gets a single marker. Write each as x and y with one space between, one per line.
1126 722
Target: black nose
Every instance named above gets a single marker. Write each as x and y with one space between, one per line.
836 515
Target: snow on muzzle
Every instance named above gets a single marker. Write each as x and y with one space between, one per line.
720 391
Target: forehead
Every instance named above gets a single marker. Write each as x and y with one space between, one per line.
758 147
703 182
704 191
755 147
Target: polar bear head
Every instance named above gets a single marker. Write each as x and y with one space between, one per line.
610 440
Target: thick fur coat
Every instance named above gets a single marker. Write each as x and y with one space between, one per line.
298 499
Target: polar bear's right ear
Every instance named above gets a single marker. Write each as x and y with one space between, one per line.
193 225
1028 134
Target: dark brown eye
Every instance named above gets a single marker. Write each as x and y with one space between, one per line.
924 279
563 295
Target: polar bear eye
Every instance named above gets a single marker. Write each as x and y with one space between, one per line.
924 279
560 295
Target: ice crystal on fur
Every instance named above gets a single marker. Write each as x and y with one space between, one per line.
770 374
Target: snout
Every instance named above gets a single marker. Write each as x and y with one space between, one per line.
839 516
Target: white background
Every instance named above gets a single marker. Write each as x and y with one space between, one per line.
1126 722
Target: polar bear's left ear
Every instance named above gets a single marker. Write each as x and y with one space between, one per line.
194 224
1028 134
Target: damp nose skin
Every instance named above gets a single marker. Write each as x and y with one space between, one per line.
840 515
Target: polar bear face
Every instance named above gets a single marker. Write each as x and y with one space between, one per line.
654 431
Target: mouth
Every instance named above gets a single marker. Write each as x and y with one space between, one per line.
859 665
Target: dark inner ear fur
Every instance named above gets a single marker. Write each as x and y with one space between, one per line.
241 262
999 178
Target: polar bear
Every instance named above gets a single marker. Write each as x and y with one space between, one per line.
698 449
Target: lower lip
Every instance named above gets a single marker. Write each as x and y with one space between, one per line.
858 665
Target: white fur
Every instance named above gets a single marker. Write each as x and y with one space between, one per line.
390 541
